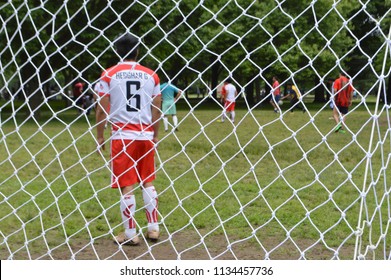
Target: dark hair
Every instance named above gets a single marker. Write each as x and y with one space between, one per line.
229 80
126 46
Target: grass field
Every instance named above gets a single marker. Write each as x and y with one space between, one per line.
271 179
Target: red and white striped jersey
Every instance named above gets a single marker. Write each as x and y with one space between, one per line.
131 88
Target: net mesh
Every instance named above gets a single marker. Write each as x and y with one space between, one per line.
269 186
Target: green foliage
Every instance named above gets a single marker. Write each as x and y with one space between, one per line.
245 38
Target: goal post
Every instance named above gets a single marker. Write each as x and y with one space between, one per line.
296 179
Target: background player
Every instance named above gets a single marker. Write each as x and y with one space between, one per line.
343 100
276 94
133 93
228 98
294 96
170 95
78 96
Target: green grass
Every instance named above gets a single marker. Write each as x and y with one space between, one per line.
267 178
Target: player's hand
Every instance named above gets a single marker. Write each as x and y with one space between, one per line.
101 144
155 140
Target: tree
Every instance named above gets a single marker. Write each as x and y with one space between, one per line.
48 45
211 40
371 28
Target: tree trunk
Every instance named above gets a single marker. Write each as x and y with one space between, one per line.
319 91
257 86
30 86
250 93
388 91
267 81
214 77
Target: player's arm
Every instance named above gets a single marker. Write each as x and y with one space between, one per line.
178 95
351 92
288 94
101 115
156 115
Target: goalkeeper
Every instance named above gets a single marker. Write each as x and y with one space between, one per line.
133 94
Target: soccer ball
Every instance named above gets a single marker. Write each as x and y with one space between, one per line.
280 102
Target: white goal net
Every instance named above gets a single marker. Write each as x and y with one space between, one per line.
276 183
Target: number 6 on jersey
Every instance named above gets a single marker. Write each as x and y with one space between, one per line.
131 88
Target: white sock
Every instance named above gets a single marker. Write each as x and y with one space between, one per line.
233 116
151 205
223 116
165 122
128 208
175 120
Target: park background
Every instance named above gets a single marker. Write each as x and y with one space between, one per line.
276 186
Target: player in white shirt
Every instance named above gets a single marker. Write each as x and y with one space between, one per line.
132 92
228 98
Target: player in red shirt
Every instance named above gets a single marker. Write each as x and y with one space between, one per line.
133 93
276 94
343 94
78 96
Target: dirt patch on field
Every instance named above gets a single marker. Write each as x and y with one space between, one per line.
184 246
